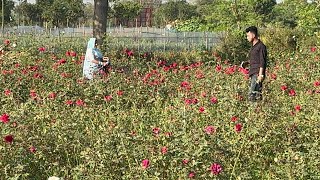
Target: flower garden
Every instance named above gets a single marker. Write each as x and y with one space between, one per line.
168 115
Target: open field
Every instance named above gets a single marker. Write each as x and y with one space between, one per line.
155 115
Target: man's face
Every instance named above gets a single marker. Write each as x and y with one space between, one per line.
250 36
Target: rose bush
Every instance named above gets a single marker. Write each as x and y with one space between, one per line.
155 115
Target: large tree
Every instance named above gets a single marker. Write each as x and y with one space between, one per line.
100 19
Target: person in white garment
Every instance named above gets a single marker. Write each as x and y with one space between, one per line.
94 60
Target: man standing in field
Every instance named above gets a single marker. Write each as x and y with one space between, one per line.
258 63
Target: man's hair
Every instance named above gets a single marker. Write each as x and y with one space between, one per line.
253 30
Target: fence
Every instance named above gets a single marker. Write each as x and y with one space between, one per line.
141 38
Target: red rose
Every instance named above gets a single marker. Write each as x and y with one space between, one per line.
4 118
8 138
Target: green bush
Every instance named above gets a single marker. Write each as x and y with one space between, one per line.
234 46
280 39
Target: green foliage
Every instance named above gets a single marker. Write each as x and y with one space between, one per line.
8 7
28 13
126 10
62 12
88 14
264 7
309 18
56 12
225 15
174 10
190 25
280 39
220 16
234 46
304 40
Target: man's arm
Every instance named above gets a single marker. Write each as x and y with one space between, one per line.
263 60
261 71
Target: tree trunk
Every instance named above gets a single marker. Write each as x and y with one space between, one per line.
100 19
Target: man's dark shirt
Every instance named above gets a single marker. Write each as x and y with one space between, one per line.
258 58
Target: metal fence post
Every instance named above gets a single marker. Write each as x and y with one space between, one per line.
164 44
206 35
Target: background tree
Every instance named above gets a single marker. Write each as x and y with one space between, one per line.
8 7
27 13
75 11
88 14
264 7
285 13
174 10
308 18
44 6
126 10
63 12
224 15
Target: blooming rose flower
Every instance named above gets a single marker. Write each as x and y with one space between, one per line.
52 95
42 49
201 109
156 130
218 68
292 92
164 150
8 138
284 87
168 134
210 129
108 98
297 108
119 93
185 161
80 102
184 84
6 42
68 53
215 168
238 127
69 102
191 174
7 92
145 163
4 118
214 100
234 118
32 149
